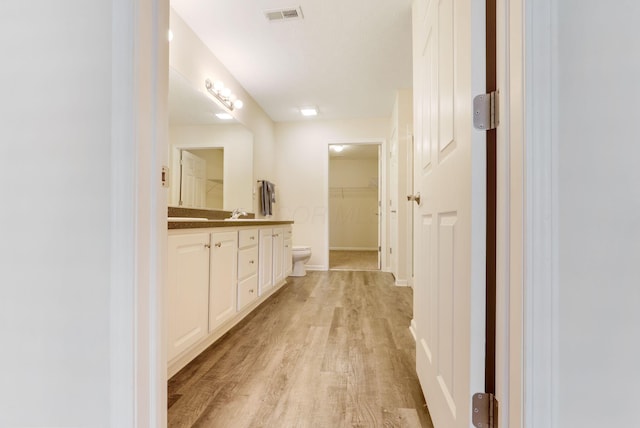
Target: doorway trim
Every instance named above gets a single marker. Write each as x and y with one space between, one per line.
139 141
382 192
527 330
540 332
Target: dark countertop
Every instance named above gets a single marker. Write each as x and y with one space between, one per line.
225 223
216 219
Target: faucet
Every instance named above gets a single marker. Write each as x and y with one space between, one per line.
237 213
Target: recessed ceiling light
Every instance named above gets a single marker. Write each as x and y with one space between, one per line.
224 116
337 148
309 111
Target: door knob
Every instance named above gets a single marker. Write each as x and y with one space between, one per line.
415 198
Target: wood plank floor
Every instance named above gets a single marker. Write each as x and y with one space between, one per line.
331 349
353 260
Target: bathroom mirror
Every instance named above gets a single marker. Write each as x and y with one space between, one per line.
211 159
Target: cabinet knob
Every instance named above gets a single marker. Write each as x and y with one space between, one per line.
252 238
218 244
250 261
251 290
207 246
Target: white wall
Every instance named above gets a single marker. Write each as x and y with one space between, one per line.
67 108
193 60
302 174
238 157
54 262
353 204
598 229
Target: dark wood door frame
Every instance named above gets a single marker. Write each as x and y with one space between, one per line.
491 82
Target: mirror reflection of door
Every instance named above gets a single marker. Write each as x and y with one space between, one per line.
201 178
353 207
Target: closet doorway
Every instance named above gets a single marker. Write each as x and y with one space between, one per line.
354 207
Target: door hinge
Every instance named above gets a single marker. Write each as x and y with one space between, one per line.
164 176
484 413
485 111
379 249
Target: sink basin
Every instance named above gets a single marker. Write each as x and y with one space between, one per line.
187 219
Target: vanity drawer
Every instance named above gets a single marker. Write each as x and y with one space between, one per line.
247 291
247 238
247 261
288 233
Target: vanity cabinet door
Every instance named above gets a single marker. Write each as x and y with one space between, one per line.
223 277
265 277
278 256
288 261
187 291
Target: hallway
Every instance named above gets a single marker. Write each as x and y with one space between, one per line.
353 260
332 349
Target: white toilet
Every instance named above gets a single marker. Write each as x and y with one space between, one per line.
300 255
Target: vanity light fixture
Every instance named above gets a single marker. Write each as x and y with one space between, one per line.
223 94
309 111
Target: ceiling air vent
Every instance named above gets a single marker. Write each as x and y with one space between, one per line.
284 14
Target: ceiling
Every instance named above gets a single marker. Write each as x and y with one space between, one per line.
353 151
346 57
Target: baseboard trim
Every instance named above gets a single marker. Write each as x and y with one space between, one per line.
317 267
412 330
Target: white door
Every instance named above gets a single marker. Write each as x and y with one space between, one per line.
193 180
450 219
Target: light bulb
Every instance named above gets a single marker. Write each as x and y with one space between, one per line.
225 92
238 104
309 111
218 86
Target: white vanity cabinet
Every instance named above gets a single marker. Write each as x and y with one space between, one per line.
223 277
188 291
247 267
266 261
275 257
216 276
